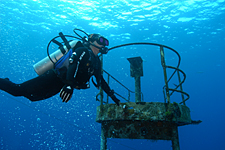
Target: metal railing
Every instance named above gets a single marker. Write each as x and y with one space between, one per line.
167 91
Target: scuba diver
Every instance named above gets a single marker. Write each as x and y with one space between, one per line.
72 71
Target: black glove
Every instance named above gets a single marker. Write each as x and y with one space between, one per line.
66 93
113 97
116 100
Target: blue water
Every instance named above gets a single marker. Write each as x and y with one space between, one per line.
195 28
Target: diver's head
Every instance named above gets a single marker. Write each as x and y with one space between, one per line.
99 39
98 43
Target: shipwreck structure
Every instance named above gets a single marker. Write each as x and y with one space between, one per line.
145 120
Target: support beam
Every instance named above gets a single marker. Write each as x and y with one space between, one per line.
136 71
103 138
175 138
137 89
163 63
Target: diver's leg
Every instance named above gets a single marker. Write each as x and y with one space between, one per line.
43 86
39 88
10 87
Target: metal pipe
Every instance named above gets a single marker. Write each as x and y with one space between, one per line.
128 96
181 88
108 95
137 89
118 81
103 138
175 138
164 71
101 90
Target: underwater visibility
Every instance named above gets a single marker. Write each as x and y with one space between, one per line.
102 74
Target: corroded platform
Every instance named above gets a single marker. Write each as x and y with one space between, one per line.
153 120
139 130
143 111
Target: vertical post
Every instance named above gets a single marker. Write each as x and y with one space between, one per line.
103 138
101 90
128 96
136 71
175 138
164 71
181 88
137 89
103 130
108 95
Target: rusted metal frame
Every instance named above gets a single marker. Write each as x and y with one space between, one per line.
163 63
181 88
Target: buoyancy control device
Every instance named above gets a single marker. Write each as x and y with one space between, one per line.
49 62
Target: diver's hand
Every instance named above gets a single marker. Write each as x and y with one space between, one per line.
66 93
116 100
113 97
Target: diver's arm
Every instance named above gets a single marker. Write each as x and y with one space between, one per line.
75 60
108 91
67 90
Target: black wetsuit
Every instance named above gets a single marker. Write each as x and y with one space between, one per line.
85 65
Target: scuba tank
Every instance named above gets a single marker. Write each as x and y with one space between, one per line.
48 62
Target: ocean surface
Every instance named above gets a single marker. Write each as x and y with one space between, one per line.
194 28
